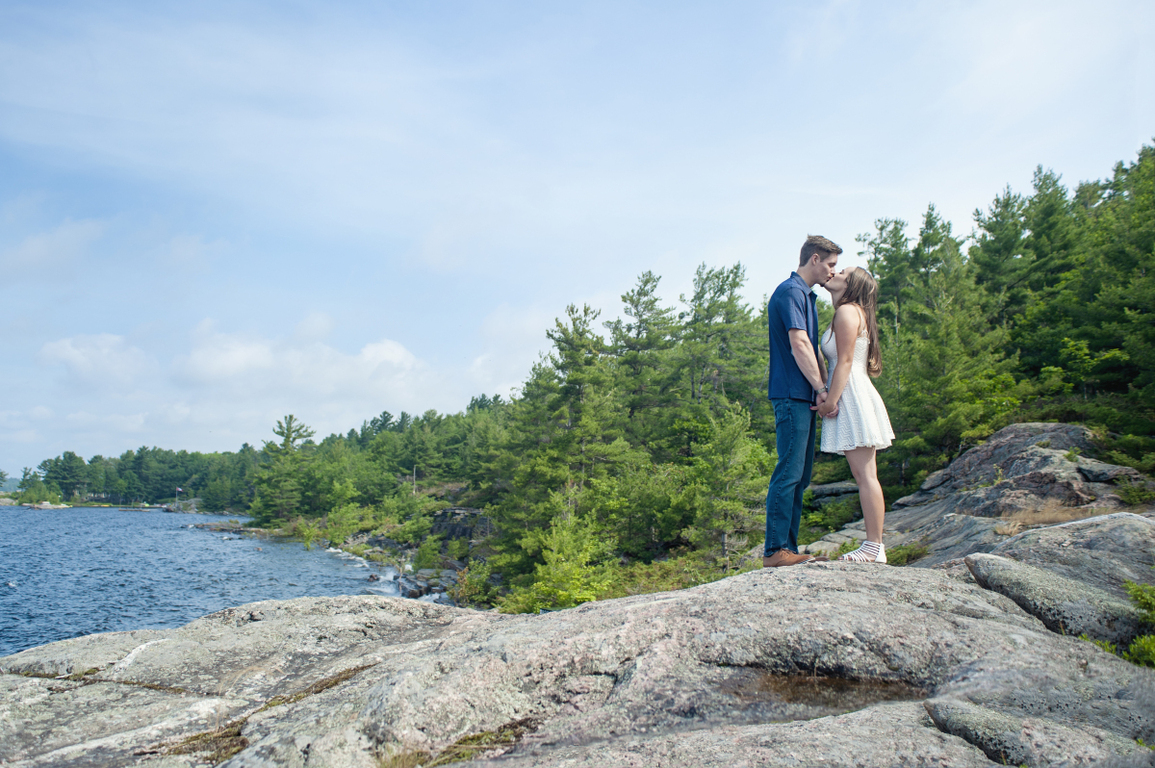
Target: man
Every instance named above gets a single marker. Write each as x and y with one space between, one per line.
797 387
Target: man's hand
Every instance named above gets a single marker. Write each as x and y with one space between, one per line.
825 408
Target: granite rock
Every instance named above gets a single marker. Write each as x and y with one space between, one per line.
1063 605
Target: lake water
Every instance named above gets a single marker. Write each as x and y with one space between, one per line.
71 572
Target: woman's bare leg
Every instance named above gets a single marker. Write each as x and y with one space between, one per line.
865 471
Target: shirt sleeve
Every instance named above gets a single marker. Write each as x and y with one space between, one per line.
792 310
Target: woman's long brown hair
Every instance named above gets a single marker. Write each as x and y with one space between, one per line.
861 289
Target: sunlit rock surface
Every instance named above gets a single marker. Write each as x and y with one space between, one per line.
754 661
832 663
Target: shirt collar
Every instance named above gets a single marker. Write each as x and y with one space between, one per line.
802 283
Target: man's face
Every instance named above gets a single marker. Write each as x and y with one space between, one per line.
826 267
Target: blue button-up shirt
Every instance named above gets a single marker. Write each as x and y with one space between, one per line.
793 305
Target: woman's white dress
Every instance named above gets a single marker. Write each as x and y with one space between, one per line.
861 419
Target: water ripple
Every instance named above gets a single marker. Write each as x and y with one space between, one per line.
71 572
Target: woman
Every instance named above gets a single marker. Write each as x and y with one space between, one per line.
854 420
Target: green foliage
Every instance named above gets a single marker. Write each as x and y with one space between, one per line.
819 521
845 547
1102 644
474 587
1142 651
308 531
680 572
904 554
458 549
572 572
727 484
348 519
428 553
414 530
1134 493
830 469
1143 598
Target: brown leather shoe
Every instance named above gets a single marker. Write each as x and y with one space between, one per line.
785 557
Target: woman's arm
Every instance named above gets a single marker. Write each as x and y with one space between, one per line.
846 327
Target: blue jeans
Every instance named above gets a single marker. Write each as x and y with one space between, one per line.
795 424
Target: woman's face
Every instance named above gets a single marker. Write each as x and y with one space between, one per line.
837 284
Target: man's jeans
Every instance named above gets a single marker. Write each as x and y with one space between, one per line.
795 424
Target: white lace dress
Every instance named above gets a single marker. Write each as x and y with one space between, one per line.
861 419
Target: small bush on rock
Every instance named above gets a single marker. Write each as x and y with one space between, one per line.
458 549
1135 494
1142 651
904 554
428 554
473 586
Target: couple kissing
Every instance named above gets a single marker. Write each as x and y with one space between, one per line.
854 419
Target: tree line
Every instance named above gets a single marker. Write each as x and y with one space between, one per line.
650 434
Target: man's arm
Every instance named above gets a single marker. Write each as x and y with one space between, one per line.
810 366
804 356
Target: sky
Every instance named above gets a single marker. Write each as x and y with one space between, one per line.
215 214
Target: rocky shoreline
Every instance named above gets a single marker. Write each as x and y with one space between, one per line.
973 660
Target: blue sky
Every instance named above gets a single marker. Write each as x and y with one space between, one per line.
214 214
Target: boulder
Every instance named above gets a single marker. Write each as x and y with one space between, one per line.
1029 471
1103 551
461 523
1012 740
841 488
1022 468
1063 605
767 664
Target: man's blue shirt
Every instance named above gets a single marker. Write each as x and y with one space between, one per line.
793 305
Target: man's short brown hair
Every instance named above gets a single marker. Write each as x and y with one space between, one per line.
820 245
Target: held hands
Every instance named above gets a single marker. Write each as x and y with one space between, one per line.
826 407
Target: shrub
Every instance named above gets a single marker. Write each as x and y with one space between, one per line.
904 554
1103 644
428 554
1143 597
1135 493
572 573
473 586
847 546
458 549
1142 651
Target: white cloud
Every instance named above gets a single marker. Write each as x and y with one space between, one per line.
219 358
331 389
50 255
102 360
124 424
316 326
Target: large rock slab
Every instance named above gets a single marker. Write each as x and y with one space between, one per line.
1103 551
1011 740
337 681
1032 473
68 722
850 740
1022 468
1065 606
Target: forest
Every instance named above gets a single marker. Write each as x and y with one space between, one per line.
646 442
